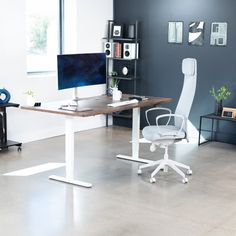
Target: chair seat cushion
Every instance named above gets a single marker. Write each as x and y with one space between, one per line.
162 132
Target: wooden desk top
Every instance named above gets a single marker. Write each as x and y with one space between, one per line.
98 106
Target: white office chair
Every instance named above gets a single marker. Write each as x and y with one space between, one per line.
165 135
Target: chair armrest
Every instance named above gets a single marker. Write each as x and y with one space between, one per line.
157 108
171 115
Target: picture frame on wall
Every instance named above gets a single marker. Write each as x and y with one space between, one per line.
218 34
117 31
196 33
175 32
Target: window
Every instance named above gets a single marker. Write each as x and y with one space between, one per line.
44 34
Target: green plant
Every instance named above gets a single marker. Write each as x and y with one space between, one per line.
222 93
115 83
113 73
30 93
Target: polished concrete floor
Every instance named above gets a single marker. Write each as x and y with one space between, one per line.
121 203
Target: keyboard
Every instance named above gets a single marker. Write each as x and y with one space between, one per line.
122 103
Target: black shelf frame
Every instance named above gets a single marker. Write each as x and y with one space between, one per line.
122 39
110 60
122 59
4 142
122 78
213 118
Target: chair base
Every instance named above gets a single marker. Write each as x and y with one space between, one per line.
163 164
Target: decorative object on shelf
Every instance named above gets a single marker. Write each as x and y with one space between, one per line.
131 31
131 50
218 34
117 49
110 24
30 99
108 49
115 82
219 95
229 112
117 31
113 74
175 32
196 33
4 96
116 94
124 69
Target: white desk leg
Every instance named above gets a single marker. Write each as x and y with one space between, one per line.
135 139
69 156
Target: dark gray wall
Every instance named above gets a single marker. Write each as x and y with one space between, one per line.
160 66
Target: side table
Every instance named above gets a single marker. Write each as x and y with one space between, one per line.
213 118
4 143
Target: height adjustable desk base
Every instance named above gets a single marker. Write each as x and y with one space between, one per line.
130 158
135 140
70 181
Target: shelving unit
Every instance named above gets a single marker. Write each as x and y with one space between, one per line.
127 49
4 142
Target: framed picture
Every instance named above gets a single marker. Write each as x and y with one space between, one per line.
196 33
117 31
175 32
218 34
229 112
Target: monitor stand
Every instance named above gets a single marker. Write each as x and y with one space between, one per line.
75 107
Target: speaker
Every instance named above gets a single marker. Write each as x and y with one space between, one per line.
108 49
130 50
131 31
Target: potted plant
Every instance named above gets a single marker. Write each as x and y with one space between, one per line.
116 93
219 95
115 83
30 99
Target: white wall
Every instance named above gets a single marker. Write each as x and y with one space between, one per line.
27 126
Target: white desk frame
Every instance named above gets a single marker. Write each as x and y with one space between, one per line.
135 139
69 149
70 156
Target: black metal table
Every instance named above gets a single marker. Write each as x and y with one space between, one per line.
212 117
4 143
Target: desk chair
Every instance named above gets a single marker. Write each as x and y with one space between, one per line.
165 135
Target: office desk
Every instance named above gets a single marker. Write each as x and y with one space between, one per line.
98 106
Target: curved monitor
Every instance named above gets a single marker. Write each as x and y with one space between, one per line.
77 70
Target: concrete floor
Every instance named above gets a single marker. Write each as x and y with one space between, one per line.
121 203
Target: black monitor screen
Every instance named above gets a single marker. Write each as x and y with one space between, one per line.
77 70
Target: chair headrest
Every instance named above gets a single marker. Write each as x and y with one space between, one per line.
188 66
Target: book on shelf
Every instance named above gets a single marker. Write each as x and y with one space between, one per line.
117 50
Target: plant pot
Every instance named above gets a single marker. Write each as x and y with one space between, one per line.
30 100
218 108
116 94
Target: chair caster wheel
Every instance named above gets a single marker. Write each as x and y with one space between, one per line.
152 180
189 172
185 180
139 172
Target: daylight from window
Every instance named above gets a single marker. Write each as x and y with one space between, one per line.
42 35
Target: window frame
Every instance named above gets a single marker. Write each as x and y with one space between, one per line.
60 41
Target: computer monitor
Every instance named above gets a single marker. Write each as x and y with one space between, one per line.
79 70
